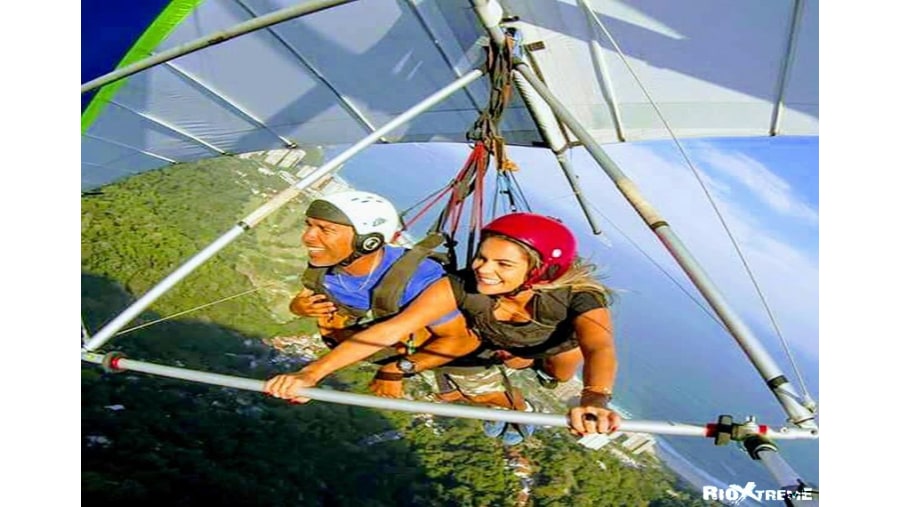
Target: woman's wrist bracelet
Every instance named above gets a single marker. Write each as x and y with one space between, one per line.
598 389
595 399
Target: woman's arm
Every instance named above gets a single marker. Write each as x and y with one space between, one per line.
595 337
432 304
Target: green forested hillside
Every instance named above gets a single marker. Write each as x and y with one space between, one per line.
149 440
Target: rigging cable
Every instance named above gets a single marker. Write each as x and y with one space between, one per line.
85 336
518 190
177 314
657 265
668 275
807 398
434 196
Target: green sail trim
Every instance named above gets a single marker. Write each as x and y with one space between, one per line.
170 17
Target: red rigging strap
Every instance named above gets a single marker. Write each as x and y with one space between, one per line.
477 213
438 196
468 182
458 182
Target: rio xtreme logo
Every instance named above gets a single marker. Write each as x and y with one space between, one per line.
734 494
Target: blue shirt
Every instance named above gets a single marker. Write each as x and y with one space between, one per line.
356 291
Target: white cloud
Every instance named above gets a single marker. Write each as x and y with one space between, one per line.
787 272
760 181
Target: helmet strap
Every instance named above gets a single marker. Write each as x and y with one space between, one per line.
350 260
356 255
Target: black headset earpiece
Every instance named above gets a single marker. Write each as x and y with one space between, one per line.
368 243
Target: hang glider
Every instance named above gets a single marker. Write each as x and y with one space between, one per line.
271 74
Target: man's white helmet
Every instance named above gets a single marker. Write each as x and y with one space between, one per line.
373 218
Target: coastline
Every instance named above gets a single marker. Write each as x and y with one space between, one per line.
694 476
690 473
687 472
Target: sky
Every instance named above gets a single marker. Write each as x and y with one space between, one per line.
857 256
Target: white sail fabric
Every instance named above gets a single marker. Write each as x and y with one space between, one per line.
736 68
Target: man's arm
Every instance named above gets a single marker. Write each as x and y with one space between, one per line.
433 303
450 340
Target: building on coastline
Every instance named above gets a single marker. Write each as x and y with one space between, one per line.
637 443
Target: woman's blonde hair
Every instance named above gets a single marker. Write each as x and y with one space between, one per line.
581 275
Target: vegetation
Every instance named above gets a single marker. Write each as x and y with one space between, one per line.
149 440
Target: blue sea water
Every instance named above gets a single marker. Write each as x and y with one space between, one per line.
676 363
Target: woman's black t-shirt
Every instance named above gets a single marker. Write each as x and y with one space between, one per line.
550 331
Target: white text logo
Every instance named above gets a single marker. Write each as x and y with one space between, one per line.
735 494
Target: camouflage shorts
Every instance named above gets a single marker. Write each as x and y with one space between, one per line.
476 381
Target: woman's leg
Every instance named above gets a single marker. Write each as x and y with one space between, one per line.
511 361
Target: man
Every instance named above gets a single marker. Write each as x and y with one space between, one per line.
368 295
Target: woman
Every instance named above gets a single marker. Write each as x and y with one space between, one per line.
533 304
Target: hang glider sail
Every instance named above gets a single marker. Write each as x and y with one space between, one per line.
271 74
333 76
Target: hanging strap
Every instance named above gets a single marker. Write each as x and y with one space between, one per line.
387 294
487 141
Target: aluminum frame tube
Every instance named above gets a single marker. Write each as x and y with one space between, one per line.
129 314
210 40
572 178
752 347
490 12
417 407
109 330
781 471
784 475
553 135
601 70
787 65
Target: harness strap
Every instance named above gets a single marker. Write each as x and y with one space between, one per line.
487 141
313 278
387 294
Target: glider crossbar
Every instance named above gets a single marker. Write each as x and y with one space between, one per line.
418 407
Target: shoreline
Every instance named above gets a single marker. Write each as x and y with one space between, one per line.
688 472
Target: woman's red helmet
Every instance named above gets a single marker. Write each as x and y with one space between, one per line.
553 241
